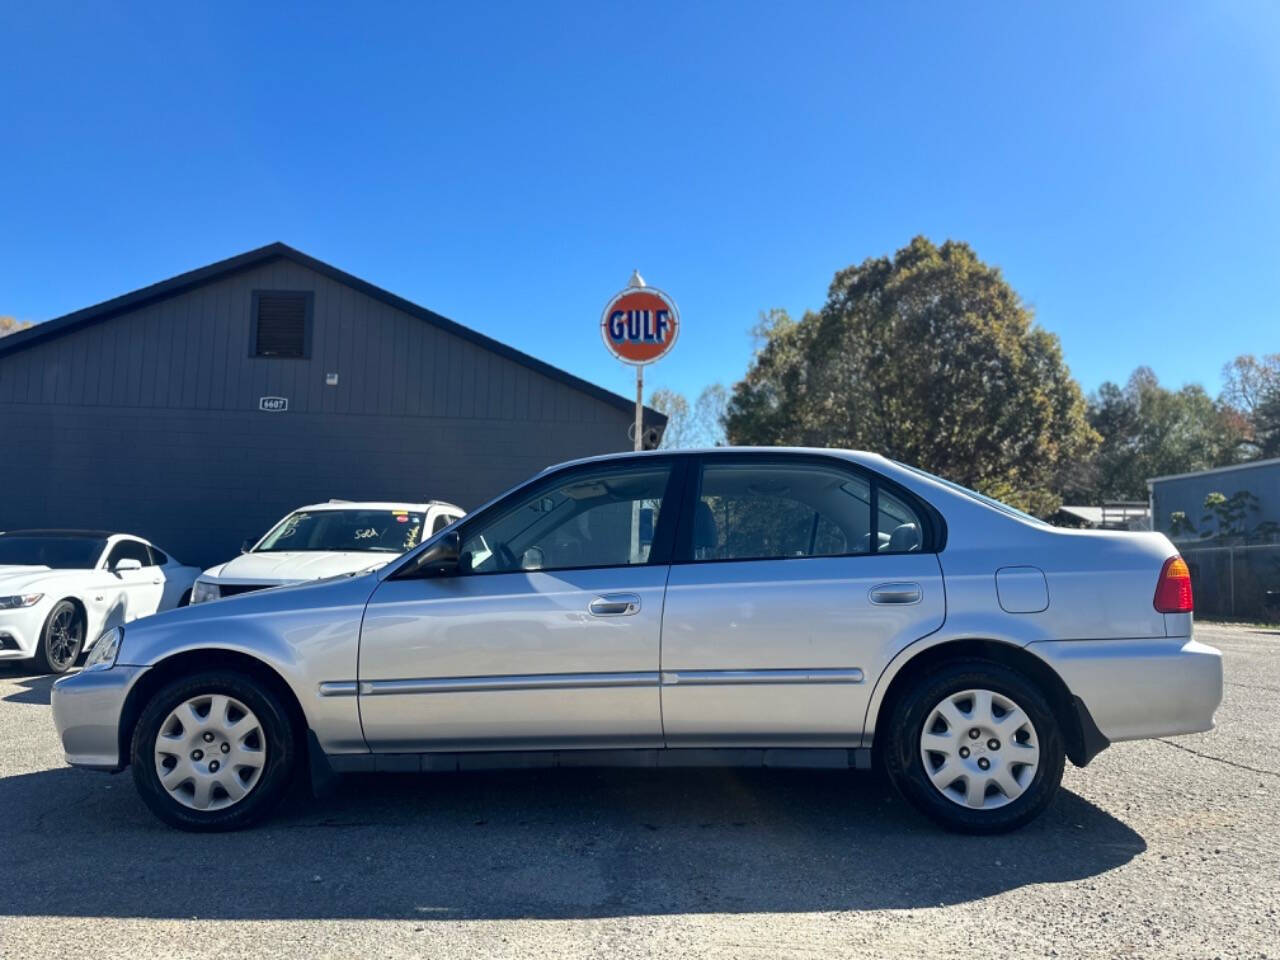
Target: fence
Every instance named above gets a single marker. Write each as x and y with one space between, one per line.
1235 581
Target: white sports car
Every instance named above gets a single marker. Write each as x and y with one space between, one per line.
61 589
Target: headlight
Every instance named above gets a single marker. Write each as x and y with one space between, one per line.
104 652
21 600
203 591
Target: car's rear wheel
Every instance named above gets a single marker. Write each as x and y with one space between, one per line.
61 640
214 751
975 746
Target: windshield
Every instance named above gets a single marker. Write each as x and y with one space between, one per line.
375 531
974 495
59 553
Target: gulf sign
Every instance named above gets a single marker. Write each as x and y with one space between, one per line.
640 325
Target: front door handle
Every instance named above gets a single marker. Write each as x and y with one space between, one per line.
896 593
614 605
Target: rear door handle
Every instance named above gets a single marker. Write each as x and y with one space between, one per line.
614 605
896 593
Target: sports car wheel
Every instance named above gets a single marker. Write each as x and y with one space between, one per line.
213 752
61 640
975 746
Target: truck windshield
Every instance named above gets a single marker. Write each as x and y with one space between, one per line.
375 531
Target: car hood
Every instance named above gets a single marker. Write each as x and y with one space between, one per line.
14 579
293 566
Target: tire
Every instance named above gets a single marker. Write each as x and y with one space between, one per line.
948 784
61 639
226 769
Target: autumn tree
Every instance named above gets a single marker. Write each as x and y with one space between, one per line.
1251 387
1149 430
929 357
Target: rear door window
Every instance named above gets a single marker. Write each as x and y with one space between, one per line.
762 510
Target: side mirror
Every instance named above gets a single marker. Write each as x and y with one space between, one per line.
247 545
127 564
441 557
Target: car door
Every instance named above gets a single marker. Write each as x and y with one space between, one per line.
142 587
547 636
796 579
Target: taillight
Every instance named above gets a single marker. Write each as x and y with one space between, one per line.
1173 591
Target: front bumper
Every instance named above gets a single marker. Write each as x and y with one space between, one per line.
20 631
86 710
1136 689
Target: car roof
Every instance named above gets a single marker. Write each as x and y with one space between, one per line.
66 534
860 456
377 505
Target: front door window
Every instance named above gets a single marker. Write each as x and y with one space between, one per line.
591 519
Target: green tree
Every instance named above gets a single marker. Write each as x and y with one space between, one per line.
1265 425
1148 431
1230 513
930 357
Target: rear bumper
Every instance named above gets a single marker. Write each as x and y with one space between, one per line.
86 710
1135 689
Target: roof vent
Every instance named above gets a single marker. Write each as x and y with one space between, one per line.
280 323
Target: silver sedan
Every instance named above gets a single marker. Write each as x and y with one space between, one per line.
745 606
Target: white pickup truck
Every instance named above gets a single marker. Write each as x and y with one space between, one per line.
325 540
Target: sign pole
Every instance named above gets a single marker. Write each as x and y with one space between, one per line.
639 326
639 407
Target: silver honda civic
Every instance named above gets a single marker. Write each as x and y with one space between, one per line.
775 607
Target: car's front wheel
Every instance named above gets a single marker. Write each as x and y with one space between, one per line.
975 746
61 640
213 751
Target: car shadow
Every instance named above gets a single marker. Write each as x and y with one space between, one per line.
33 687
543 844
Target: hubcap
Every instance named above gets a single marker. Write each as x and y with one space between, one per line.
204 727
64 638
979 749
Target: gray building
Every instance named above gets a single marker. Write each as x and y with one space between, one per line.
1178 500
199 410
1233 550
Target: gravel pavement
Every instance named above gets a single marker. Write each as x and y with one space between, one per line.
1158 849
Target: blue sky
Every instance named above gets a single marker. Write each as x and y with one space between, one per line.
508 165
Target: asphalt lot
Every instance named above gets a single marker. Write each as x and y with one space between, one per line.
1163 848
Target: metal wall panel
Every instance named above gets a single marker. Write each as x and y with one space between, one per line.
1187 495
148 422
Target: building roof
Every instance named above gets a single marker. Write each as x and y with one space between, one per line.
276 251
1274 461
1111 512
